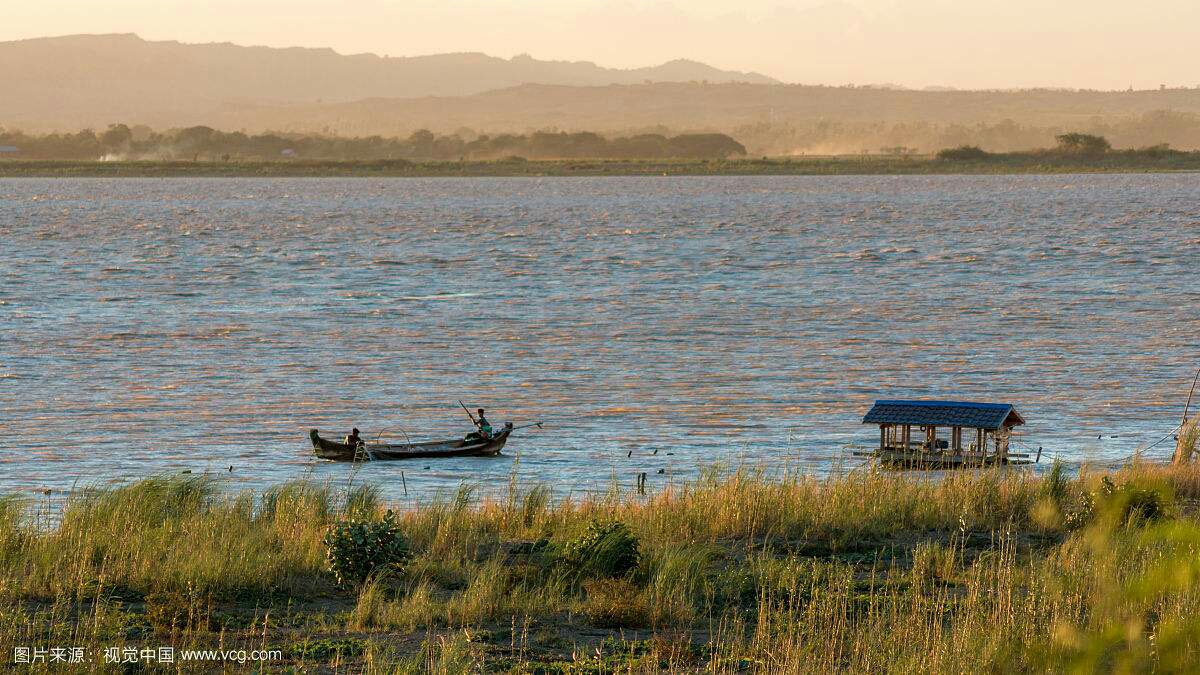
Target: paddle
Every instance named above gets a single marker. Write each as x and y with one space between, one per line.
464 407
526 426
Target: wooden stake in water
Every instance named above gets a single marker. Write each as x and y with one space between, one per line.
1189 398
404 483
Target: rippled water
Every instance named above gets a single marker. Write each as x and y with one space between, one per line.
155 325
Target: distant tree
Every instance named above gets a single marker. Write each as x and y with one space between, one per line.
467 134
420 144
448 147
82 144
196 136
202 142
117 138
641 145
964 153
1082 144
1159 151
195 140
703 146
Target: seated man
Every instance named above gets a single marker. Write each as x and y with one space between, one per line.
352 439
483 429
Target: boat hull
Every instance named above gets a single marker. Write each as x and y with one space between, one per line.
341 452
936 461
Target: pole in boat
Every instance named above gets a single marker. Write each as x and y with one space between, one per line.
464 407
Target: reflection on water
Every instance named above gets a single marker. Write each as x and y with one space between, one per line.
162 325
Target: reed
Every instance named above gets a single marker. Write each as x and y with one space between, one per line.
737 571
1185 442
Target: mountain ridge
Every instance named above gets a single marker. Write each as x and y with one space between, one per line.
71 81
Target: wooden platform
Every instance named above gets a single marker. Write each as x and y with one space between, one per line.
938 461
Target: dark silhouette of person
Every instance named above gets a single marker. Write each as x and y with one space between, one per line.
353 440
485 427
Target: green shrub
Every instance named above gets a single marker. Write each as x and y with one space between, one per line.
605 549
1125 504
1140 505
355 549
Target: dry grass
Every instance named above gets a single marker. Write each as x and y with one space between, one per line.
863 572
1185 443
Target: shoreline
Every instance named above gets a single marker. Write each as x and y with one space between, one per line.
510 168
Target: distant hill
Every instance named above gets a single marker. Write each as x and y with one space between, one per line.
77 82
705 106
93 80
767 119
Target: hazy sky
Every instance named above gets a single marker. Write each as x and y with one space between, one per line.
965 43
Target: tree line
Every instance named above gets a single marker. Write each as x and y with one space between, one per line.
1070 146
201 143
836 136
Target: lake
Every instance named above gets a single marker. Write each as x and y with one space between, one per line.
658 324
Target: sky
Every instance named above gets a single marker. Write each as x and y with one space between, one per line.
1101 44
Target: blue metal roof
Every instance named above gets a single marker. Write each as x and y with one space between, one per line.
944 414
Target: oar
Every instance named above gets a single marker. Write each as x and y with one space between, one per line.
526 426
464 407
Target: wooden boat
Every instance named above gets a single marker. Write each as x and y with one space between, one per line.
460 447
939 461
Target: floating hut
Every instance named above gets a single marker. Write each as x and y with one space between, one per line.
977 434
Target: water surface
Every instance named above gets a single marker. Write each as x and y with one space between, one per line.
163 325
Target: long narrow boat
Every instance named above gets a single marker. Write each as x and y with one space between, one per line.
460 447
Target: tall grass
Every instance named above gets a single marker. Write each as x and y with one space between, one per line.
174 532
867 571
1185 443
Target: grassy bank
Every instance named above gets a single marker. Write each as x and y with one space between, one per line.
1011 163
867 572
